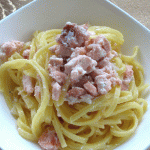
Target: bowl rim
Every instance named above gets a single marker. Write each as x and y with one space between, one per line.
117 8
127 15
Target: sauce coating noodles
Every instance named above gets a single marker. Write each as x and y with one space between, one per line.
104 124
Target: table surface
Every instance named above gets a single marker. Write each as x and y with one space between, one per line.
139 9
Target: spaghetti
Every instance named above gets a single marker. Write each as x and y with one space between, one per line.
100 121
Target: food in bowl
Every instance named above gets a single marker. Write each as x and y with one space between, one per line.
73 88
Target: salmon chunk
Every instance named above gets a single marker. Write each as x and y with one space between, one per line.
76 74
26 53
76 92
97 48
56 62
8 48
73 35
58 76
28 84
96 52
104 62
91 88
49 140
88 63
128 76
103 84
78 51
103 42
83 80
62 51
53 48
79 66
37 92
129 72
56 91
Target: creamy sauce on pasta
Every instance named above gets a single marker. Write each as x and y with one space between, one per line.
73 88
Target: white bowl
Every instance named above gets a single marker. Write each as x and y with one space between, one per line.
46 14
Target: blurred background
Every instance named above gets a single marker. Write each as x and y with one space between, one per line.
139 9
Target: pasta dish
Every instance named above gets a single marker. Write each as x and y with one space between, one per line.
72 88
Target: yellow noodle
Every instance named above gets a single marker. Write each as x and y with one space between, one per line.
58 130
106 123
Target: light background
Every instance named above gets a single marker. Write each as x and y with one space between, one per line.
139 9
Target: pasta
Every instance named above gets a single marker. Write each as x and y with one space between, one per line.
103 121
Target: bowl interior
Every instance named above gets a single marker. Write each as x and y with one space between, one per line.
44 15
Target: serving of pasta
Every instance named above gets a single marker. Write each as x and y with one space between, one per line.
72 88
